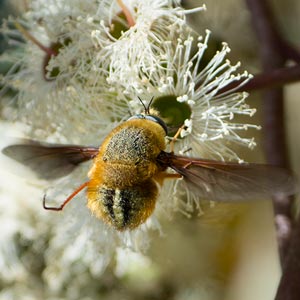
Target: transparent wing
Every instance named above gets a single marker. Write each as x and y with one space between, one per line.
221 181
49 161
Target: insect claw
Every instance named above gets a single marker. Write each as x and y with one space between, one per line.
66 201
49 207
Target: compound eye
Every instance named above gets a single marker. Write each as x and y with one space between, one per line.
151 118
139 116
159 121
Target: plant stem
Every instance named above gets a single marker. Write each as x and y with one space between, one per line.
275 52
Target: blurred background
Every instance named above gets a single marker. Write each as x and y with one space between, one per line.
228 253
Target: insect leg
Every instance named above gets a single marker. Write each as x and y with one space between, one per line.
171 175
175 137
66 201
160 177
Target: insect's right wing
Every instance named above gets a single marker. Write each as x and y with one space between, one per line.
226 181
50 161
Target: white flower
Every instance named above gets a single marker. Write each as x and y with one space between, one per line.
66 80
138 49
90 65
193 94
211 123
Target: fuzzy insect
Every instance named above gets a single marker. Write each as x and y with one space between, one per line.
132 162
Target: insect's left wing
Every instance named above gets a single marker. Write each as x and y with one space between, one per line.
223 181
50 161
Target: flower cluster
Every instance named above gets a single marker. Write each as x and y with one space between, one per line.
82 67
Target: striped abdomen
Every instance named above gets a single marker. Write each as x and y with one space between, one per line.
124 208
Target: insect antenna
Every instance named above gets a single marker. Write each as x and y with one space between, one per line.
149 105
147 108
66 201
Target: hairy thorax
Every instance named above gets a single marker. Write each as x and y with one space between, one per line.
128 155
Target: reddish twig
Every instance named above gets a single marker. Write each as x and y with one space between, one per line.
128 15
275 143
30 37
266 80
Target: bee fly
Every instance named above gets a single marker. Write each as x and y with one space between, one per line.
132 162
